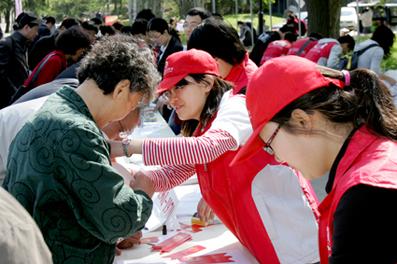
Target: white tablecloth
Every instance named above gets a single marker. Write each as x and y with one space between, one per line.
215 238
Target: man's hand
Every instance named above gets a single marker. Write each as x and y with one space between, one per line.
128 242
142 182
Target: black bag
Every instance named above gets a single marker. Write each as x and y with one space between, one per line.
24 89
357 54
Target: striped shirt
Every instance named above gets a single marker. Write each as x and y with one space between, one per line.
178 156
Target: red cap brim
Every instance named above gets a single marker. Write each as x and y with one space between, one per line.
252 146
167 83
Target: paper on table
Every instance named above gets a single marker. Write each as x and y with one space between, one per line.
164 205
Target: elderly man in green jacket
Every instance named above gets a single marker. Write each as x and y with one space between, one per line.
59 165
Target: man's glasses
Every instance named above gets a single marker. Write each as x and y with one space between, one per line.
267 146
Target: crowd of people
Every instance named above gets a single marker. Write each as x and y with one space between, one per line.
256 126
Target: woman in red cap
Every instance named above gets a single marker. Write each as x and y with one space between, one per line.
266 205
320 120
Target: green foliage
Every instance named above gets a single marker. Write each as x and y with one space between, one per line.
232 19
390 63
67 8
171 9
5 5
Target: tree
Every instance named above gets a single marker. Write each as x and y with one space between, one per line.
6 6
185 5
323 17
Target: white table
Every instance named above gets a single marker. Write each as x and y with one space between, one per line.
152 125
215 238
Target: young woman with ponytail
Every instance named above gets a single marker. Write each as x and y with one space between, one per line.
323 121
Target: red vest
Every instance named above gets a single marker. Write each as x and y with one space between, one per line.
302 46
320 50
241 73
370 160
228 191
275 49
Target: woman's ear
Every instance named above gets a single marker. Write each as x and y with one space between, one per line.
301 119
122 89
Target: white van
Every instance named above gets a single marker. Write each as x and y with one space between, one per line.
348 18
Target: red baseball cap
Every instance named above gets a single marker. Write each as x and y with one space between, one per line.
277 83
180 64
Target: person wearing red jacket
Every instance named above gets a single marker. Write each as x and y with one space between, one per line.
278 48
326 52
267 206
70 46
302 46
320 120
223 43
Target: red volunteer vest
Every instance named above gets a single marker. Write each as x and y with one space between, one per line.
320 50
241 73
296 48
370 160
275 49
227 190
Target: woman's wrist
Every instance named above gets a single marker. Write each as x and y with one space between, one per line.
127 148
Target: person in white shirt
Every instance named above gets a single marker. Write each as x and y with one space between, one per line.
12 119
372 57
366 20
382 40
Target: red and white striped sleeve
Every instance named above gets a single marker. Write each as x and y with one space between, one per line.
168 177
188 150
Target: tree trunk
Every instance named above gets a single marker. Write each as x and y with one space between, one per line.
154 5
323 17
185 5
7 15
115 8
132 10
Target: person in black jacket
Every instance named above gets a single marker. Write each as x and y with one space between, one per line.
165 38
46 44
13 64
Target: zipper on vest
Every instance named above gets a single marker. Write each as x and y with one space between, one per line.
205 168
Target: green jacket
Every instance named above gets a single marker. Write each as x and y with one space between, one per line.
59 169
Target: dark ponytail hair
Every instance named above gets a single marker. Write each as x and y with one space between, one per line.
211 105
365 101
